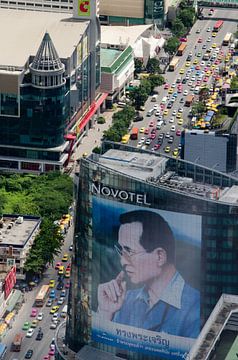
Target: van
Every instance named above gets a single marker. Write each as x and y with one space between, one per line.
159 124
150 112
154 98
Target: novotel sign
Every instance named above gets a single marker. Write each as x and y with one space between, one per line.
99 189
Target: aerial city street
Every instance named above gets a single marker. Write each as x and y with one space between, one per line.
118 226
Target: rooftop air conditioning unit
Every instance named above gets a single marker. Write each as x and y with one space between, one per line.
19 220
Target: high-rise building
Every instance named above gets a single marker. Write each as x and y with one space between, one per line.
49 86
211 149
155 247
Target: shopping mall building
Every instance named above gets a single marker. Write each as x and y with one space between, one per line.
49 85
156 245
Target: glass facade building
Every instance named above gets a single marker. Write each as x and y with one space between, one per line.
200 207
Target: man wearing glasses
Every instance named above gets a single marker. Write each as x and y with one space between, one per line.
162 301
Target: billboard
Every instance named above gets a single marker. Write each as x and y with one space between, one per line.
145 278
84 8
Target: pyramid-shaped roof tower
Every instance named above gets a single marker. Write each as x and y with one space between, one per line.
47 58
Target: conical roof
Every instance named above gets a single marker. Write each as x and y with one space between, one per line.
47 58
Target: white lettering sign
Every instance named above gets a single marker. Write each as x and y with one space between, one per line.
99 189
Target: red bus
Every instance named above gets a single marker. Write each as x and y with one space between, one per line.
134 133
218 25
16 344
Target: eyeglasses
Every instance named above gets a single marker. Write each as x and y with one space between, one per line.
126 251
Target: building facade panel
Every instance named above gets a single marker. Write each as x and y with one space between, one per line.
133 8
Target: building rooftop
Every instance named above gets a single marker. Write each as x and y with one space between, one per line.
122 35
23 30
16 230
211 343
187 178
108 56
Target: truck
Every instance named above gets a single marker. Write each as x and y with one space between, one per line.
189 100
63 313
16 344
3 351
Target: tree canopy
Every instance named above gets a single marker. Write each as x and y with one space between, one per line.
171 45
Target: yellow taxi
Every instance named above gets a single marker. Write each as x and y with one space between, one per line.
166 111
181 71
142 129
52 283
208 72
61 270
188 63
167 149
195 61
178 116
170 91
65 257
227 59
54 309
213 66
214 45
175 152
214 34
180 121
34 323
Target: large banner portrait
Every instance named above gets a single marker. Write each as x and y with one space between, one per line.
145 278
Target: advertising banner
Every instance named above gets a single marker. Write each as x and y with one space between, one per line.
145 278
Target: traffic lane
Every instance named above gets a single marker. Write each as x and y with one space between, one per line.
40 348
192 42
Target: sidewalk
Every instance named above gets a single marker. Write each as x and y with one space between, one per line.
93 139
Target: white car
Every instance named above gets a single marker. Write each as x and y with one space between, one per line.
61 299
208 29
167 135
55 317
171 120
173 85
172 99
193 78
53 326
173 128
142 140
180 110
156 106
209 63
157 113
29 333
174 112
139 144
209 39
40 316
198 31
190 83
202 63
185 92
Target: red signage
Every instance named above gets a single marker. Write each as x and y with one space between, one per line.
10 281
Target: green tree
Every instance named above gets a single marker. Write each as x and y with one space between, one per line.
171 45
234 83
138 65
153 66
198 108
34 263
178 27
139 96
204 94
156 80
187 17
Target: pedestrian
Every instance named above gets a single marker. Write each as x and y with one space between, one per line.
98 129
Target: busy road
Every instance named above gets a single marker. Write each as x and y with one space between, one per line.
192 72
42 346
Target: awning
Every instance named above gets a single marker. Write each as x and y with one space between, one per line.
14 299
92 110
